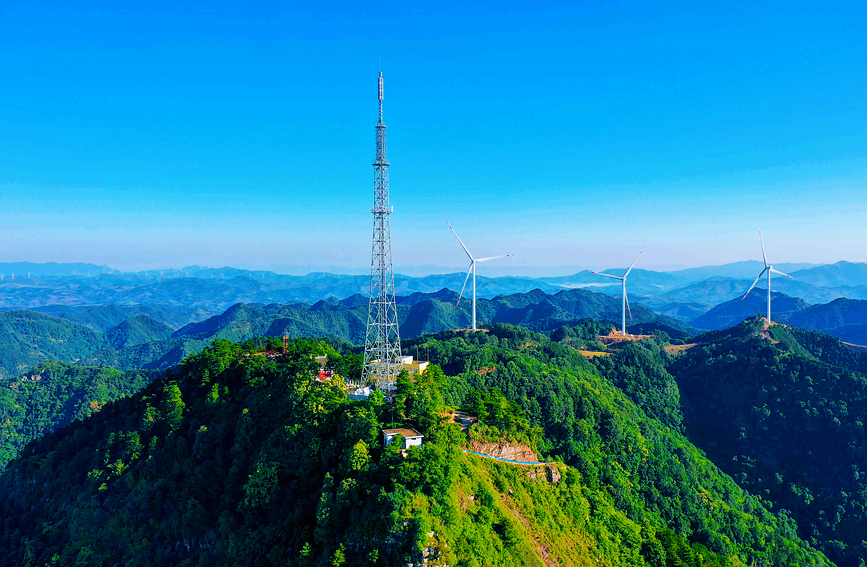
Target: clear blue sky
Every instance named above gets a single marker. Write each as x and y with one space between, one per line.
153 135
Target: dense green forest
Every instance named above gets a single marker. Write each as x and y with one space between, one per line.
54 394
28 338
235 458
783 411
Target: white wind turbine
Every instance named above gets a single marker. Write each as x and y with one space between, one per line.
472 268
768 268
625 300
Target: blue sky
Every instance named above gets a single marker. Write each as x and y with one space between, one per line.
572 134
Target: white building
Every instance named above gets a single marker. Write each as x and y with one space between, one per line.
362 393
413 366
411 437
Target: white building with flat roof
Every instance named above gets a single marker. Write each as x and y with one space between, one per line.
411 437
413 366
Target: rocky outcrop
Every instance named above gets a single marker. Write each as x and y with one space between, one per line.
518 452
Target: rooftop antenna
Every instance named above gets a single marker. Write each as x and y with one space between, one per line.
768 268
472 268
625 299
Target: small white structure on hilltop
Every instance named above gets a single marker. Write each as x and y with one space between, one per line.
411 437
362 393
412 366
356 391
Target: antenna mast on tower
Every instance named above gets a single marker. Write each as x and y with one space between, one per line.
382 344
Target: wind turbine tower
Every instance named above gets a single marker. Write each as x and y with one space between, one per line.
767 269
472 268
382 341
625 299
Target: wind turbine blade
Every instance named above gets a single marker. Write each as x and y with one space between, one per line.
762 242
461 241
633 262
626 296
754 284
493 258
463 287
606 275
776 271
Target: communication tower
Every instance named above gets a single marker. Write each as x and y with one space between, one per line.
382 344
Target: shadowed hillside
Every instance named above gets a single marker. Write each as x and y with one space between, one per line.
782 410
732 312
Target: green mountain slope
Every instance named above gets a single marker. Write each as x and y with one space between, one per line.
417 314
104 317
28 338
153 355
239 459
731 313
143 341
137 330
594 427
844 318
783 412
54 394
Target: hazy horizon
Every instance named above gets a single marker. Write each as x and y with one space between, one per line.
410 271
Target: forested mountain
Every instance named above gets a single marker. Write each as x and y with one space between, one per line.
843 318
141 341
28 338
104 317
715 291
53 394
137 330
248 460
417 314
783 410
733 312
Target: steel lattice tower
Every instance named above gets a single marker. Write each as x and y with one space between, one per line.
382 345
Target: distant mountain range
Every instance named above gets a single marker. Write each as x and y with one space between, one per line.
732 312
177 297
140 337
139 321
843 318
